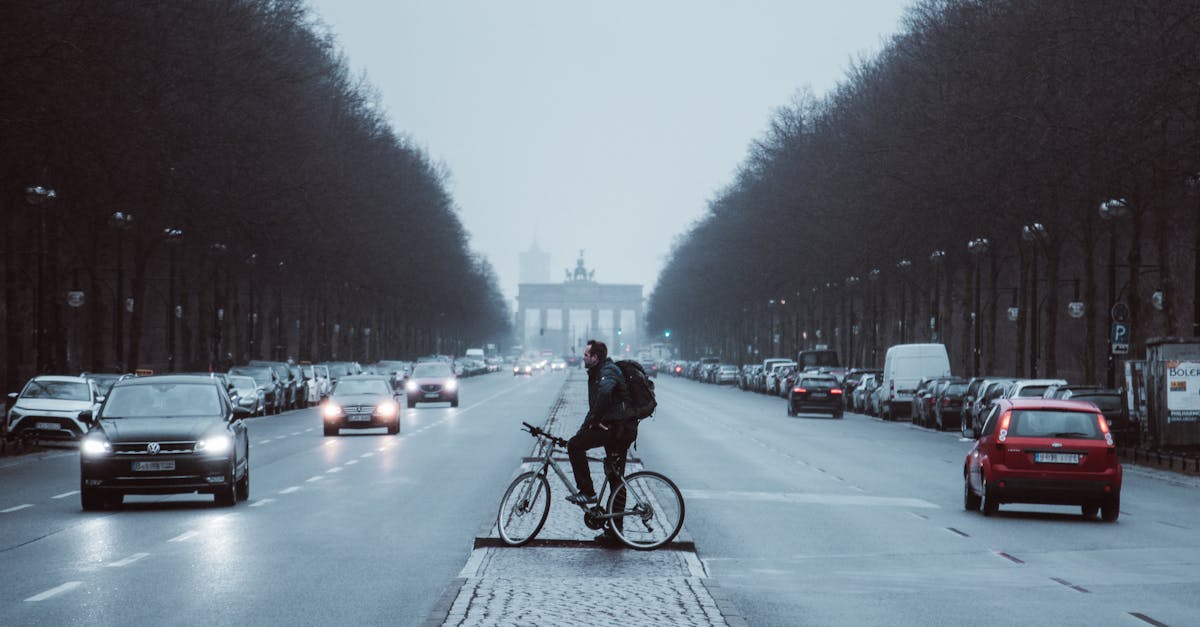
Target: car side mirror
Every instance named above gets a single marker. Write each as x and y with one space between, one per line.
12 396
100 398
86 417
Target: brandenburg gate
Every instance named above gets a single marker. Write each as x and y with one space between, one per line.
562 317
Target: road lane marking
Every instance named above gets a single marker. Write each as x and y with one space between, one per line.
334 469
1070 585
282 437
1138 615
262 502
66 587
263 442
15 509
289 490
187 535
296 432
365 455
312 479
1015 560
127 561
799 498
352 462
65 494
961 533
310 429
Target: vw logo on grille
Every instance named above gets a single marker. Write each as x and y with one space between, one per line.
153 448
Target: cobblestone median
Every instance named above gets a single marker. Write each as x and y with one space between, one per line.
563 578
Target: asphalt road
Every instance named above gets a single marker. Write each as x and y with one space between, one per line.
815 521
802 521
359 529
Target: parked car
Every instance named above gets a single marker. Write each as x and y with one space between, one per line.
989 391
1038 450
269 380
290 382
431 382
165 434
816 393
1031 387
818 358
249 394
103 380
948 405
1111 403
776 376
362 401
48 407
727 374
862 392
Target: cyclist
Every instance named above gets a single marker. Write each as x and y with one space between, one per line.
609 423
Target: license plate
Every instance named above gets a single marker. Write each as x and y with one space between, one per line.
1056 458
431 395
151 466
48 425
360 418
817 395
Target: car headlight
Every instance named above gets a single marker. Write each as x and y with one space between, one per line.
387 409
451 385
95 446
215 445
410 386
331 410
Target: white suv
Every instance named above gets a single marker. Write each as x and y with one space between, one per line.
49 406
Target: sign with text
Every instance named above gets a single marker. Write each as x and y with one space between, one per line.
1183 391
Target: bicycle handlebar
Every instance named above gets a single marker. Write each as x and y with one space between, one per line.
539 432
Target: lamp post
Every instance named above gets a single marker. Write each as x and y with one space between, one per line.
935 321
171 237
1111 211
873 277
120 221
978 247
252 317
1035 234
41 198
903 266
851 282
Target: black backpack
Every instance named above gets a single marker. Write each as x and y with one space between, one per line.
641 388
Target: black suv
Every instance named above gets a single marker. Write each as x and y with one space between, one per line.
165 434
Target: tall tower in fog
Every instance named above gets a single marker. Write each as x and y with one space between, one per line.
535 265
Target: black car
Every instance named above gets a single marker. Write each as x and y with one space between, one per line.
165 434
432 382
265 377
361 402
816 393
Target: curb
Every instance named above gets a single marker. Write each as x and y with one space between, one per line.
441 609
680 543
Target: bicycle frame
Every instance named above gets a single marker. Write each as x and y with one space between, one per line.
548 461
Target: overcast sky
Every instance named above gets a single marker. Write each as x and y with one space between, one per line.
603 126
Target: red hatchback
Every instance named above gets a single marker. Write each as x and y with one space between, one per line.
1038 450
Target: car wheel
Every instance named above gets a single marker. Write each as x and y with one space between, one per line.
394 429
1089 511
988 502
971 501
91 499
838 415
243 484
412 404
1110 509
330 430
454 403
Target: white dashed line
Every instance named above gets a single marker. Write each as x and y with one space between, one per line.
334 469
282 437
127 561
187 535
352 462
262 502
297 432
264 442
365 455
289 490
312 479
310 429
66 587
65 494
15 509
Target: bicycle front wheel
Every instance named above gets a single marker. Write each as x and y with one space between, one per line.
647 510
524 509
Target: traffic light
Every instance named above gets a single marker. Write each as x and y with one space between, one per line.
667 333
618 330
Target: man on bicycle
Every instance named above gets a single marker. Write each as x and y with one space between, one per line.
609 423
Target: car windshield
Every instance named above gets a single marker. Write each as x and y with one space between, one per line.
956 389
104 383
57 390
1054 423
306 372
243 383
1032 390
163 400
1106 402
431 370
817 383
361 386
261 375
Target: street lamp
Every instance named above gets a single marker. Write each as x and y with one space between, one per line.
873 277
978 247
121 221
1111 211
171 237
252 317
42 198
935 321
851 282
903 266
1035 234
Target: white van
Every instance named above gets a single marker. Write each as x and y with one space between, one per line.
903 368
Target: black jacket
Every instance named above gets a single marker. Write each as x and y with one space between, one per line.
608 395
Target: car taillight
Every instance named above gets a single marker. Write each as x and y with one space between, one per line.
1004 420
1108 438
800 390
945 400
836 391
892 389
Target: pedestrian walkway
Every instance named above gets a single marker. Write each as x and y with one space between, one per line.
563 578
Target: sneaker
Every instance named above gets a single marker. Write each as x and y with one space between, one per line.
606 537
582 499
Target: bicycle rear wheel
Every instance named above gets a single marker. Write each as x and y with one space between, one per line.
524 509
653 510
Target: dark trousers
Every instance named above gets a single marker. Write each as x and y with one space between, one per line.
615 440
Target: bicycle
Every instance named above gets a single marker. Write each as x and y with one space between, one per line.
648 505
